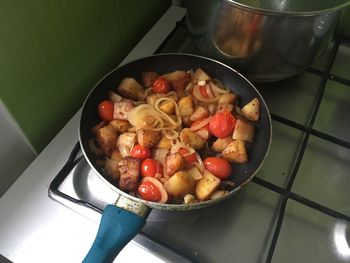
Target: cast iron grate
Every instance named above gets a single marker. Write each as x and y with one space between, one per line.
286 192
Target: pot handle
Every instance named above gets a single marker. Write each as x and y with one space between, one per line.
118 226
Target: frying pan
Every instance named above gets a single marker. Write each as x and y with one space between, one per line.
123 220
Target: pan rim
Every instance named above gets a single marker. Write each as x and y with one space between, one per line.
176 207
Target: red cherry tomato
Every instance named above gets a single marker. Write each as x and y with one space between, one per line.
149 191
140 152
161 85
222 124
191 158
218 167
151 167
105 110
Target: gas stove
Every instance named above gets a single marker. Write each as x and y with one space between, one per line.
296 209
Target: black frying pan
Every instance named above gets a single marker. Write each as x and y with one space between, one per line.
122 221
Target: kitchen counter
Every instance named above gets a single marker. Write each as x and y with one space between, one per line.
33 227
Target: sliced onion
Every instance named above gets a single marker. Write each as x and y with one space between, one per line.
160 187
189 87
198 96
200 124
217 89
209 91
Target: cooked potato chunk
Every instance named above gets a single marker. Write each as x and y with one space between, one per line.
199 75
206 186
179 80
192 139
112 165
235 152
199 112
120 126
122 109
229 98
185 106
106 138
129 173
167 106
221 144
131 89
164 143
244 131
180 184
173 162
252 110
148 138
160 154
224 106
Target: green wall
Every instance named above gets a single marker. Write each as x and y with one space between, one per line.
53 51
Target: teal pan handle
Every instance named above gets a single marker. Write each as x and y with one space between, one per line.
118 226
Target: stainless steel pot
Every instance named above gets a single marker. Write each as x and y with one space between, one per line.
266 40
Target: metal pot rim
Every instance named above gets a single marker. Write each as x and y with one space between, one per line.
285 13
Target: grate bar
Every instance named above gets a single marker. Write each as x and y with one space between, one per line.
291 180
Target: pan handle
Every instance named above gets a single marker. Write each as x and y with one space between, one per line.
118 226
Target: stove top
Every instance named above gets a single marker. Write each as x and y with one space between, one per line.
297 209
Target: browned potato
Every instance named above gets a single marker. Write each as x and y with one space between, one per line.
199 75
199 112
179 80
160 154
106 139
194 173
206 186
129 173
148 138
112 165
122 109
180 184
235 152
164 143
131 89
192 139
252 110
244 131
224 106
120 126
174 162
167 106
185 106
229 98
221 144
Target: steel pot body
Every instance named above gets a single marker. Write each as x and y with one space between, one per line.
265 42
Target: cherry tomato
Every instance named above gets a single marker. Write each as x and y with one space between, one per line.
105 110
222 124
149 191
161 85
192 158
203 92
151 167
140 152
218 167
